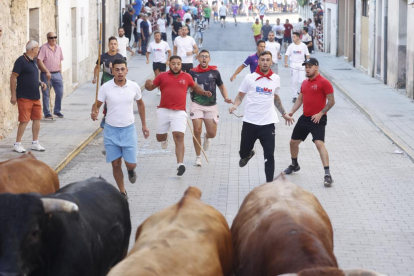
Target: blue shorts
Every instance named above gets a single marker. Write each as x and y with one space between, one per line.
121 142
287 39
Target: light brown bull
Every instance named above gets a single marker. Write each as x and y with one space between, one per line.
26 174
188 238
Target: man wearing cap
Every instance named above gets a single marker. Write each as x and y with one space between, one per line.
314 93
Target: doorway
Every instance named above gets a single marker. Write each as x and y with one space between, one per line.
34 24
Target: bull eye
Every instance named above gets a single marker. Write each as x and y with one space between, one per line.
35 235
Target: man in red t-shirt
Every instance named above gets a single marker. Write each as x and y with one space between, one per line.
314 92
287 35
171 111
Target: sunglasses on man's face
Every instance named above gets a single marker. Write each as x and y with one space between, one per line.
52 37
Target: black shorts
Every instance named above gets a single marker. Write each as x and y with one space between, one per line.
186 67
280 41
164 36
304 126
222 17
207 19
162 67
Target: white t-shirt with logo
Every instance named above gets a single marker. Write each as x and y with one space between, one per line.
278 29
161 25
159 50
297 53
274 48
184 45
120 102
123 42
259 108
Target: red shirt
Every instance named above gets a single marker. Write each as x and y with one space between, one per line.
314 94
173 89
288 30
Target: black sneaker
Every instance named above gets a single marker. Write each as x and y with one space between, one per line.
180 170
292 169
48 116
294 100
125 195
132 175
328 181
60 115
243 162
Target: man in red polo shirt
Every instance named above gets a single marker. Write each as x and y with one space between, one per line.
314 92
171 111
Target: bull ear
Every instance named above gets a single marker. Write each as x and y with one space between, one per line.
56 205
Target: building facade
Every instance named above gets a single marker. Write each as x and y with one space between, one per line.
76 23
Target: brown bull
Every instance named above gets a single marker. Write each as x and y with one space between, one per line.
26 174
188 238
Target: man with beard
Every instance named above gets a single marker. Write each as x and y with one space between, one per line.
273 47
204 109
314 93
120 136
171 111
262 88
123 43
185 47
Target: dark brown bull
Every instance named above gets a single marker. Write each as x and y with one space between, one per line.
281 229
188 238
26 174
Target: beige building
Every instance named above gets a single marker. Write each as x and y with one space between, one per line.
76 23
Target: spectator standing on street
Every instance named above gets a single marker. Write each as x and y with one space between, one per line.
128 23
306 38
138 31
123 43
257 29
24 87
120 135
207 14
200 27
162 27
176 26
145 34
298 26
137 5
314 93
49 61
273 47
261 89
287 35
171 111
185 47
223 14
265 30
297 52
235 9
203 108
252 60
311 29
279 30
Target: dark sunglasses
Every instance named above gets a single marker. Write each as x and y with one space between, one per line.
52 37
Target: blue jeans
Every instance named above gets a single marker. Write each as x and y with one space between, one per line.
144 45
57 84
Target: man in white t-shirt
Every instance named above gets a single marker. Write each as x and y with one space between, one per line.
123 43
120 136
162 27
159 61
187 15
279 30
185 47
223 13
140 19
261 89
273 47
298 26
297 52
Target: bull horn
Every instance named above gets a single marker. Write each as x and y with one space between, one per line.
58 205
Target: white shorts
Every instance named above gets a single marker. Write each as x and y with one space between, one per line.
174 119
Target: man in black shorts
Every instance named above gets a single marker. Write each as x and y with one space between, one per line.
314 92
185 47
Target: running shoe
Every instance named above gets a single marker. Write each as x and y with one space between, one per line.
132 176
328 181
294 100
60 115
180 169
104 151
198 162
17 147
243 162
37 147
48 116
207 142
125 195
292 169
164 144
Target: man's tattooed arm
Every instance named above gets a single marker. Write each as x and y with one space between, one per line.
329 104
279 105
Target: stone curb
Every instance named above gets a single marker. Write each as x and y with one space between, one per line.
372 117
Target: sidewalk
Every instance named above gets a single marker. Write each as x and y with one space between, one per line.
391 112
64 138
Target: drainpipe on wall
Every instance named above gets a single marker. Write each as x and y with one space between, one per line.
57 19
385 41
354 42
375 40
337 29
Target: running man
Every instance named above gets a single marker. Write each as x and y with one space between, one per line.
287 34
235 9
185 47
315 90
171 111
120 136
215 10
205 108
279 31
297 53
262 89
223 14
252 60
200 28
159 61
273 47
257 29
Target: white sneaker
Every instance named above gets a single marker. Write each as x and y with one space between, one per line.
18 148
207 142
36 146
198 162
164 144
